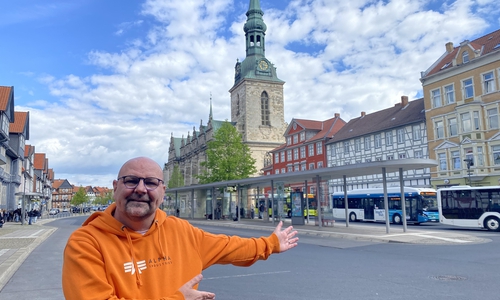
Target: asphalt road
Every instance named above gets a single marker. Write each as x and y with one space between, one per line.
320 268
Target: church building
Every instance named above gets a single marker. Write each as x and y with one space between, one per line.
257 108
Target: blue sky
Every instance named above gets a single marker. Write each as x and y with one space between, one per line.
105 81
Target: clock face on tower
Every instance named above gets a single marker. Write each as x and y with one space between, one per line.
263 65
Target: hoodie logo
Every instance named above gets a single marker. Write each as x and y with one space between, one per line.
129 267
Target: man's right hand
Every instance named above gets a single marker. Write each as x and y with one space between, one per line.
191 294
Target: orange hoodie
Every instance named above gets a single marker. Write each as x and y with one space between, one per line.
105 260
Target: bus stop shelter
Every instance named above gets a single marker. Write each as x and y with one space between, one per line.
324 174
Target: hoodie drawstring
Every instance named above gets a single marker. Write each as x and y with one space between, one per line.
159 235
132 255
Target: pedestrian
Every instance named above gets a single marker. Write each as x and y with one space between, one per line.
261 211
133 250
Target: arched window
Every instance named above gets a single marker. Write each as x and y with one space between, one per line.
465 57
238 105
264 108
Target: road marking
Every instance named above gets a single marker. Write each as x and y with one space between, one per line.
443 239
246 275
35 233
3 251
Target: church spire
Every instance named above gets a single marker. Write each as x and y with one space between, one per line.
255 30
210 116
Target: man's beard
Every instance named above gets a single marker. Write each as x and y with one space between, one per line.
138 207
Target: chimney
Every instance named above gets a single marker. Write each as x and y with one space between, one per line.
449 47
363 114
404 101
337 115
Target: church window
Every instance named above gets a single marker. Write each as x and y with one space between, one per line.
238 106
264 107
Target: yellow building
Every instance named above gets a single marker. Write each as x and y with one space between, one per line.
461 95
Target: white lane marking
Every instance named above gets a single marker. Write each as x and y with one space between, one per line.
36 233
246 275
3 251
444 239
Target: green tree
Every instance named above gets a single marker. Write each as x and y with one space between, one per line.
80 198
176 180
103 199
227 157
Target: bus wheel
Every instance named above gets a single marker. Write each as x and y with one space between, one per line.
396 219
492 223
352 217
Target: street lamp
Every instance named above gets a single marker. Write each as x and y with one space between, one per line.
470 163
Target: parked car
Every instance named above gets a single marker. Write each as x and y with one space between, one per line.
53 211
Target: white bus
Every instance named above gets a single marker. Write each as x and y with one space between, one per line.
467 206
368 205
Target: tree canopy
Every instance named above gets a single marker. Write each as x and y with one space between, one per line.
227 157
80 197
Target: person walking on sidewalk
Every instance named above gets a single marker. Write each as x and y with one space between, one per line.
133 250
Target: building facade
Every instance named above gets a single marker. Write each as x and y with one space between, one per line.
398 132
461 92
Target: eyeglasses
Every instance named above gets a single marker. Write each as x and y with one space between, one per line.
131 182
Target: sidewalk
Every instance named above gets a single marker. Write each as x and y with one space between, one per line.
17 241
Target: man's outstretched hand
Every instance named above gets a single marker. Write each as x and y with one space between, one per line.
191 294
286 237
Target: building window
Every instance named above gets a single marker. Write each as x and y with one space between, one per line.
296 153
390 157
452 127
302 136
319 148
455 160
468 87
388 138
303 152
311 149
442 162
492 118
449 94
288 140
311 166
277 171
289 155
496 155
418 154
283 170
480 156
489 82
417 135
439 129
476 119
303 167
368 160
346 148
378 158
436 98
367 143
378 140
264 108
466 125
295 138
320 164
402 156
290 169
282 156
401 136
276 158
465 57
357 145
469 155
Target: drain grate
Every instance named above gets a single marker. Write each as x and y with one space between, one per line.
448 278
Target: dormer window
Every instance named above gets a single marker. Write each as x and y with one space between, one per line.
465 57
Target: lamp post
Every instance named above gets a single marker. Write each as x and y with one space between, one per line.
470 163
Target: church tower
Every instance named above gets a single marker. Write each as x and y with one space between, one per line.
257 101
